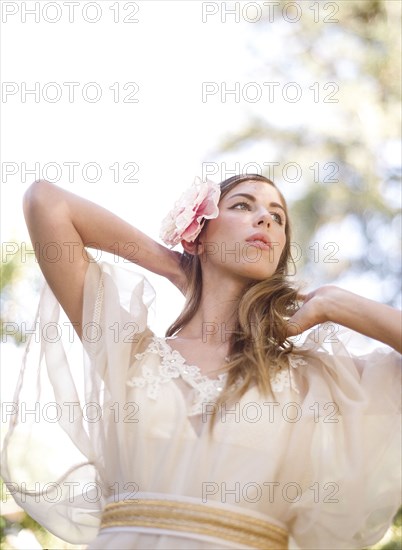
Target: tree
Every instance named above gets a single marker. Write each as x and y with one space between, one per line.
344 134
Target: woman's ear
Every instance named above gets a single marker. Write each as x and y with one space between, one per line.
194 248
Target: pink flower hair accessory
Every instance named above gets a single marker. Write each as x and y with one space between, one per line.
187 218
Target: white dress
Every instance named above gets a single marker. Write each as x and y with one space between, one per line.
126 417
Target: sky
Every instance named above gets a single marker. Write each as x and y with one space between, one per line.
131 101
125 110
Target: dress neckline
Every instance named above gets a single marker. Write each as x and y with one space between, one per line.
193 370
172 367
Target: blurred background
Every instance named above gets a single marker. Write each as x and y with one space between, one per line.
124 103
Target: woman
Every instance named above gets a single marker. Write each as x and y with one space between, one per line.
225 433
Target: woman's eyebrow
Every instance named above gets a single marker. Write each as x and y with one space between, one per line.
253 199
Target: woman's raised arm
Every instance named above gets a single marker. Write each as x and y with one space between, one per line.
54 215
331 303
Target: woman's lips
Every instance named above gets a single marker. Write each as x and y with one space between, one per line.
260 244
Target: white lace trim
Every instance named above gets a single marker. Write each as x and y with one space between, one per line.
92 333
98 305
284 378
173 365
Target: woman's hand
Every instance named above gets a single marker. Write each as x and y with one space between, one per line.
314 310
331 303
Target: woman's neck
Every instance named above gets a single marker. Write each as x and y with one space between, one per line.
215 318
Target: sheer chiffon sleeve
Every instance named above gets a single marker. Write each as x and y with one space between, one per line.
354 459
70 403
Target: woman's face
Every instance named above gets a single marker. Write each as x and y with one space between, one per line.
248 237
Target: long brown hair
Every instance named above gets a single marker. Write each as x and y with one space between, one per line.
259 344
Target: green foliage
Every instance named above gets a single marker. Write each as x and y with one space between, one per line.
393 538
9 274
14 274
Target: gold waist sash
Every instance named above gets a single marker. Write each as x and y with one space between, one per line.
197 518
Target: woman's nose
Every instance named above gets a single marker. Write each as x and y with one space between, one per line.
264 219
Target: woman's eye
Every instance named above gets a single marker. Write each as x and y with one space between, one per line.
277 217
242 206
